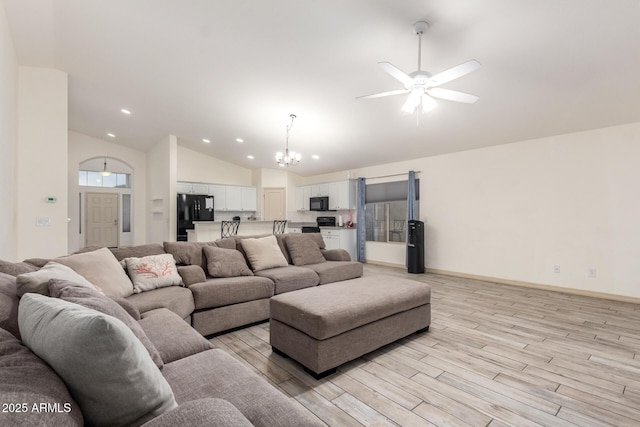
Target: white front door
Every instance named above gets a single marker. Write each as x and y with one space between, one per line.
102 219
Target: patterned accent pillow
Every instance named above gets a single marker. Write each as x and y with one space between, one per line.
152 272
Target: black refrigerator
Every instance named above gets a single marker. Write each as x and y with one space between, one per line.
192 207
415 247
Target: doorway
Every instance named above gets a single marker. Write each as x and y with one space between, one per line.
274 204
102 219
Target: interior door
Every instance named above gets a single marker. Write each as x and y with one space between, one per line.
274 204
102 219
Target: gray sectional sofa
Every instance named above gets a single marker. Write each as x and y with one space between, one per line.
167 372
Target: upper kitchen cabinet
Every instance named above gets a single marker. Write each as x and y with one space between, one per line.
249 197
318 190
192 188
342 195
303 194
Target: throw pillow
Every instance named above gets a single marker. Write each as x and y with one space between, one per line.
101 268
9 304
106 369
264 253
152 272
37 280
15 268
28 381
225 262
303 250
90 298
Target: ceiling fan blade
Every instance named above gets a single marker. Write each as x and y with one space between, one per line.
452 95
413 100
396 73
380 95
454 73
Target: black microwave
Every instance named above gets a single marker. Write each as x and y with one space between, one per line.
319 203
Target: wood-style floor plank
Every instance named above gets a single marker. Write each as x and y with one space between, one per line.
495 355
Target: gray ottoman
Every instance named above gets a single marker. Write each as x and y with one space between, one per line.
326 326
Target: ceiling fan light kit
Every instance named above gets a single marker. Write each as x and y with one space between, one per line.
421 85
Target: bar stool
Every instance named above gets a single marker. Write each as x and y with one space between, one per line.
229 228
279 226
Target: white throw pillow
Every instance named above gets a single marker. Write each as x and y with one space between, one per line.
37 281
263 253
101 268
105 367
151 272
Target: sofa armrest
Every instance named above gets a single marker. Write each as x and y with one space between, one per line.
201 412
335 254
191 274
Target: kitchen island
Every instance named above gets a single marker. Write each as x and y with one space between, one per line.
208 231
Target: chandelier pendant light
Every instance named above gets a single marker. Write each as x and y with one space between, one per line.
288 158
105 172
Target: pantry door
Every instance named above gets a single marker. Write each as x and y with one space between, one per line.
274 204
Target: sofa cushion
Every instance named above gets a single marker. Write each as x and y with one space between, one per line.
263 253
102 269
187 253
225 262
28 381
106 368
230 290
336 271
15 268
152 272
202 413
303 249
175 298
216 374
290 278
172 336
90 298
9 301
137 251
191 274
37 281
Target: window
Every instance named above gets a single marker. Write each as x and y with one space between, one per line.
386 211
94 179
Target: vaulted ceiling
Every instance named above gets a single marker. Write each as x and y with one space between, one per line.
227 69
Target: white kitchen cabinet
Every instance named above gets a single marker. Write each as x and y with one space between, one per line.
249 195
303 194
198 188
184 188
342 195
340 238
318 190
233 196
219 193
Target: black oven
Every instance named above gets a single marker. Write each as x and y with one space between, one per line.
319 203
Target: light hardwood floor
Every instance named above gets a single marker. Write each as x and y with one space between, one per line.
495 355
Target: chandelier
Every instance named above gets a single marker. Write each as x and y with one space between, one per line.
288 158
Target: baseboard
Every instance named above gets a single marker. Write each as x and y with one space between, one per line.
384 264
581 292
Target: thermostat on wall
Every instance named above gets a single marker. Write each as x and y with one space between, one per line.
52 199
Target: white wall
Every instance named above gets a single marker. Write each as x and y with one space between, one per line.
42 162
198 167
162 174
83 147
8 140
514 211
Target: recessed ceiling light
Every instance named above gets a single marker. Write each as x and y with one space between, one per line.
125 111
111 135
250 157
206 140
315 156
240 140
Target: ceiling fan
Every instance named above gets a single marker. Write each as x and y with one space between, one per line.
422 86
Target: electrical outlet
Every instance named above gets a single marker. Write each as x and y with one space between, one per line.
556 269
591 273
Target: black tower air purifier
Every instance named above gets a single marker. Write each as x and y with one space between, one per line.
415 247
